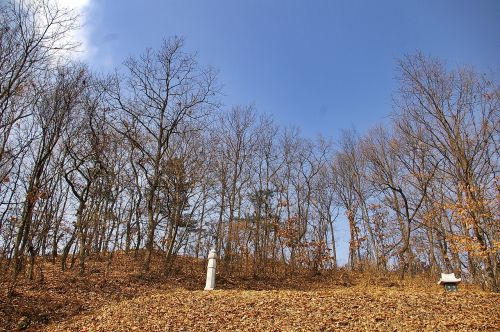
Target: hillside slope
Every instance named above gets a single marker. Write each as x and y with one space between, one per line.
354 308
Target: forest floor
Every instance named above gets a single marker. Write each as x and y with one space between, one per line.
121 298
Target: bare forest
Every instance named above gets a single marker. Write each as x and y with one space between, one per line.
149 162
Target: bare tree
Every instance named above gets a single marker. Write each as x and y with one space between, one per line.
31 34
237 137
162 90
52 110
458 110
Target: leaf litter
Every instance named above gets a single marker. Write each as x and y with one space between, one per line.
354 309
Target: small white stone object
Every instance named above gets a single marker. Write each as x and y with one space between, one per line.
448 278
210 285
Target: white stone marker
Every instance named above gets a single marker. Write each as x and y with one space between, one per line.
210 285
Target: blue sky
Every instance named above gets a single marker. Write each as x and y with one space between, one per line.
318 65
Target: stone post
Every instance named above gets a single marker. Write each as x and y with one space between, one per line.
210 285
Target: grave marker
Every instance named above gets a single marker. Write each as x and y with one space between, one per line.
210 284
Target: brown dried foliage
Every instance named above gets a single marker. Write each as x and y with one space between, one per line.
120 297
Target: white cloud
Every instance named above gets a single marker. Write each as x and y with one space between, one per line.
80 36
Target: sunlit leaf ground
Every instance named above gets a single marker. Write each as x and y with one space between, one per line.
355 308
119 297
